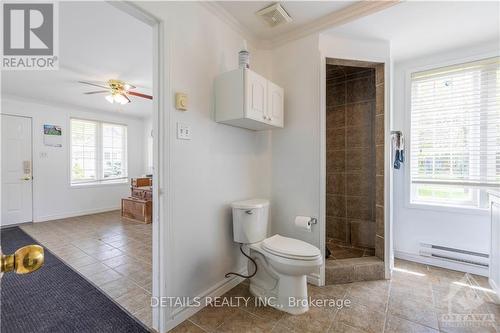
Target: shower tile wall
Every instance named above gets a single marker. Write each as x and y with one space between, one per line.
350 142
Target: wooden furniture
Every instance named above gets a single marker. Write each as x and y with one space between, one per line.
245 99
494 276
137 209
143 192
139 206
140 182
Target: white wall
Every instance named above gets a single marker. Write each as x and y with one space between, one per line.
53 197
220 164
452 228
295 158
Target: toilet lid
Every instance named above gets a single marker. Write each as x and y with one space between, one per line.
290 248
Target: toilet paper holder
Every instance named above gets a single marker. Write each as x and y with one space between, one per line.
314 220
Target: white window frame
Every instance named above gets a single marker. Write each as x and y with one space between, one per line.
100 181
407 130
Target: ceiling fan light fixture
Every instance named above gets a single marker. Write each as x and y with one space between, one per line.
110 98
117 98
121 99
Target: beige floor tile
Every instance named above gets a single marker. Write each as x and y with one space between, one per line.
398 325
339 327
134 300
107 254
118 260
410 309
317 319
187 327
362 317
333 290
374 296
93 269
144 315
211 317
80 262
245 322
103 277
118 287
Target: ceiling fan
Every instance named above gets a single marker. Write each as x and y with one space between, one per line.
117 90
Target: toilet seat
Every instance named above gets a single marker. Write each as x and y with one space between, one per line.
290 248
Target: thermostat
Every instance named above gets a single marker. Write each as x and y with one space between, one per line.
181 101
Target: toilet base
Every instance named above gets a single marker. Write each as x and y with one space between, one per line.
289 295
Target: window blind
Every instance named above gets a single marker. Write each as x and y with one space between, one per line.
455 125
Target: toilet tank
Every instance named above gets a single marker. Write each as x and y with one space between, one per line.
250 220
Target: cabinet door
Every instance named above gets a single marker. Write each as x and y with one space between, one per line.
256 96
275 111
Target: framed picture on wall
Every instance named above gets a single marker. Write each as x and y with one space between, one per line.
52 135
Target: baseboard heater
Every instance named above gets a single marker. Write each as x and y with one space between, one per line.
455 255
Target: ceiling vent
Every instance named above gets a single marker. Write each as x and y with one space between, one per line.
275 15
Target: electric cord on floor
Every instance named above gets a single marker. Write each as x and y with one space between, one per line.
241 275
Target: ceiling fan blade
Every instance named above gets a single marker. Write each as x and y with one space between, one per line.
125 95
129 86
133 93
96 92
94 84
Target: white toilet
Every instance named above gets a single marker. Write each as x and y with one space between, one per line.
283 263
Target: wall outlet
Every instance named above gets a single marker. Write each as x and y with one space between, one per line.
183 131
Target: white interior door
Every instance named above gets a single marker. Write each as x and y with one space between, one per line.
16 170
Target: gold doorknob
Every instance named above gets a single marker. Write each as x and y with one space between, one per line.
25 260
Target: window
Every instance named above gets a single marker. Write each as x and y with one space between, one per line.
98 152
455 134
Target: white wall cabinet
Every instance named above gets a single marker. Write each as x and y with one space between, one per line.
245 99
494 277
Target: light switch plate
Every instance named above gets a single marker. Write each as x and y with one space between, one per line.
183 131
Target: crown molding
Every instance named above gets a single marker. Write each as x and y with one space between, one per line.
219 11
336 18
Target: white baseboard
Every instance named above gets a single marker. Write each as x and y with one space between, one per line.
74 214
220 288
443 263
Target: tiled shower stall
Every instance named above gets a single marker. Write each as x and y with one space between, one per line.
354 170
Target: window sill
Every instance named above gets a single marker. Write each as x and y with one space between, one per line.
99 184
448 209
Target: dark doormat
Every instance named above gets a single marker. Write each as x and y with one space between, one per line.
55 298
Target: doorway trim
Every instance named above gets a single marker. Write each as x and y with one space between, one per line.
388 172
162 203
